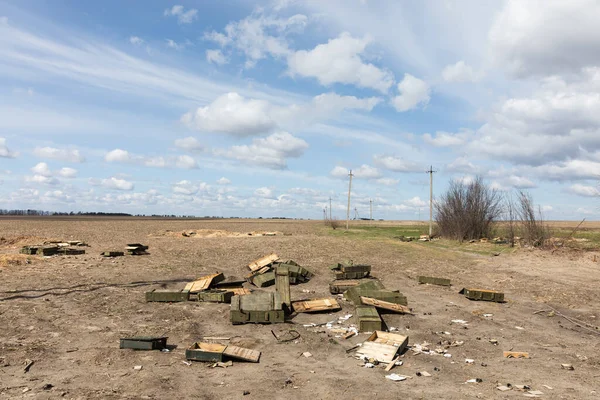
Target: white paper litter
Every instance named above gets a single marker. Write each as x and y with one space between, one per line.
395 377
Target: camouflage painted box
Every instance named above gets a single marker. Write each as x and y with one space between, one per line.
434 281
167 295
338 287
144 343
215 296
483 295
368 319
207 352
258 308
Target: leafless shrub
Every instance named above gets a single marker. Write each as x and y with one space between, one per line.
468 210
533 230
333 223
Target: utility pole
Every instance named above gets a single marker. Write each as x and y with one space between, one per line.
349 191
325 214
430 172
371 211
330 209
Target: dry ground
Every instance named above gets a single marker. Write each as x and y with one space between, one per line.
68 313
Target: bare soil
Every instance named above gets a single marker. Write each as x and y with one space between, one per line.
67 313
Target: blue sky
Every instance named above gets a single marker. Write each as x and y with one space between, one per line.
239 108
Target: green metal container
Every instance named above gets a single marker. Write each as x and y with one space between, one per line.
167 295
356 268
206 352
483 295
368 319
259 308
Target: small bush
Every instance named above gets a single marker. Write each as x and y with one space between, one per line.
333 223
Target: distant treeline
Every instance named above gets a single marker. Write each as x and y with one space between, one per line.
107 214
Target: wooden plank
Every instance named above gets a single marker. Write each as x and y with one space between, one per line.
391 365
241 353
203 283
282 284
262 262
385 305
239 291
315 305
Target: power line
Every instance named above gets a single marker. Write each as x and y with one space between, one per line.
349 191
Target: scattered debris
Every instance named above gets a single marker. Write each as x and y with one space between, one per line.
475 380
306 354
515 354
568 367
396 377
47 386
459 321
221 364
293 335
137 368
434 281
144 343
424 373
28 364
469 360
503 388
483 294
136 249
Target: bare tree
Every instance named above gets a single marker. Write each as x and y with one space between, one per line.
533 230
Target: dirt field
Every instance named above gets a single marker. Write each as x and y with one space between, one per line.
68 313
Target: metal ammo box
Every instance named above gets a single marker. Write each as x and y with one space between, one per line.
200 351
167 295
144 343
258 308
368 319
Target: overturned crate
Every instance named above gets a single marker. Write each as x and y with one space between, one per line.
258 308
167 296
144 343
383 346
204 282
434 281
215 296
207 352
315 305
483 295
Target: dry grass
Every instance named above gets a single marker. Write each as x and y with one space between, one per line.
8 260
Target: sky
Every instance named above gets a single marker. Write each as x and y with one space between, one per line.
243 108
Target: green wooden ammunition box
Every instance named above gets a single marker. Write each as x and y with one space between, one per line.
31 250
144 343
71 252
207 352
215 296
47 250
338 287
112 253
434 281
356 268
368 319
258 308
351 275
383 295
167 295
483 295
264 280
353 294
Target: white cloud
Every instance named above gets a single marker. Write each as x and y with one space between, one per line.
223 181
366 172
586 191
216 56
45 180
118 155
232 114
462 164
339 172
4 151
416 202
183 17
520 182
67 172
42 169
259 35
445 139
190 144
546 37
185 187
68 155
459 72
117 184
4 20
186 162
387 181
270 152
413 93
136 41
397 164
339 61
264 192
